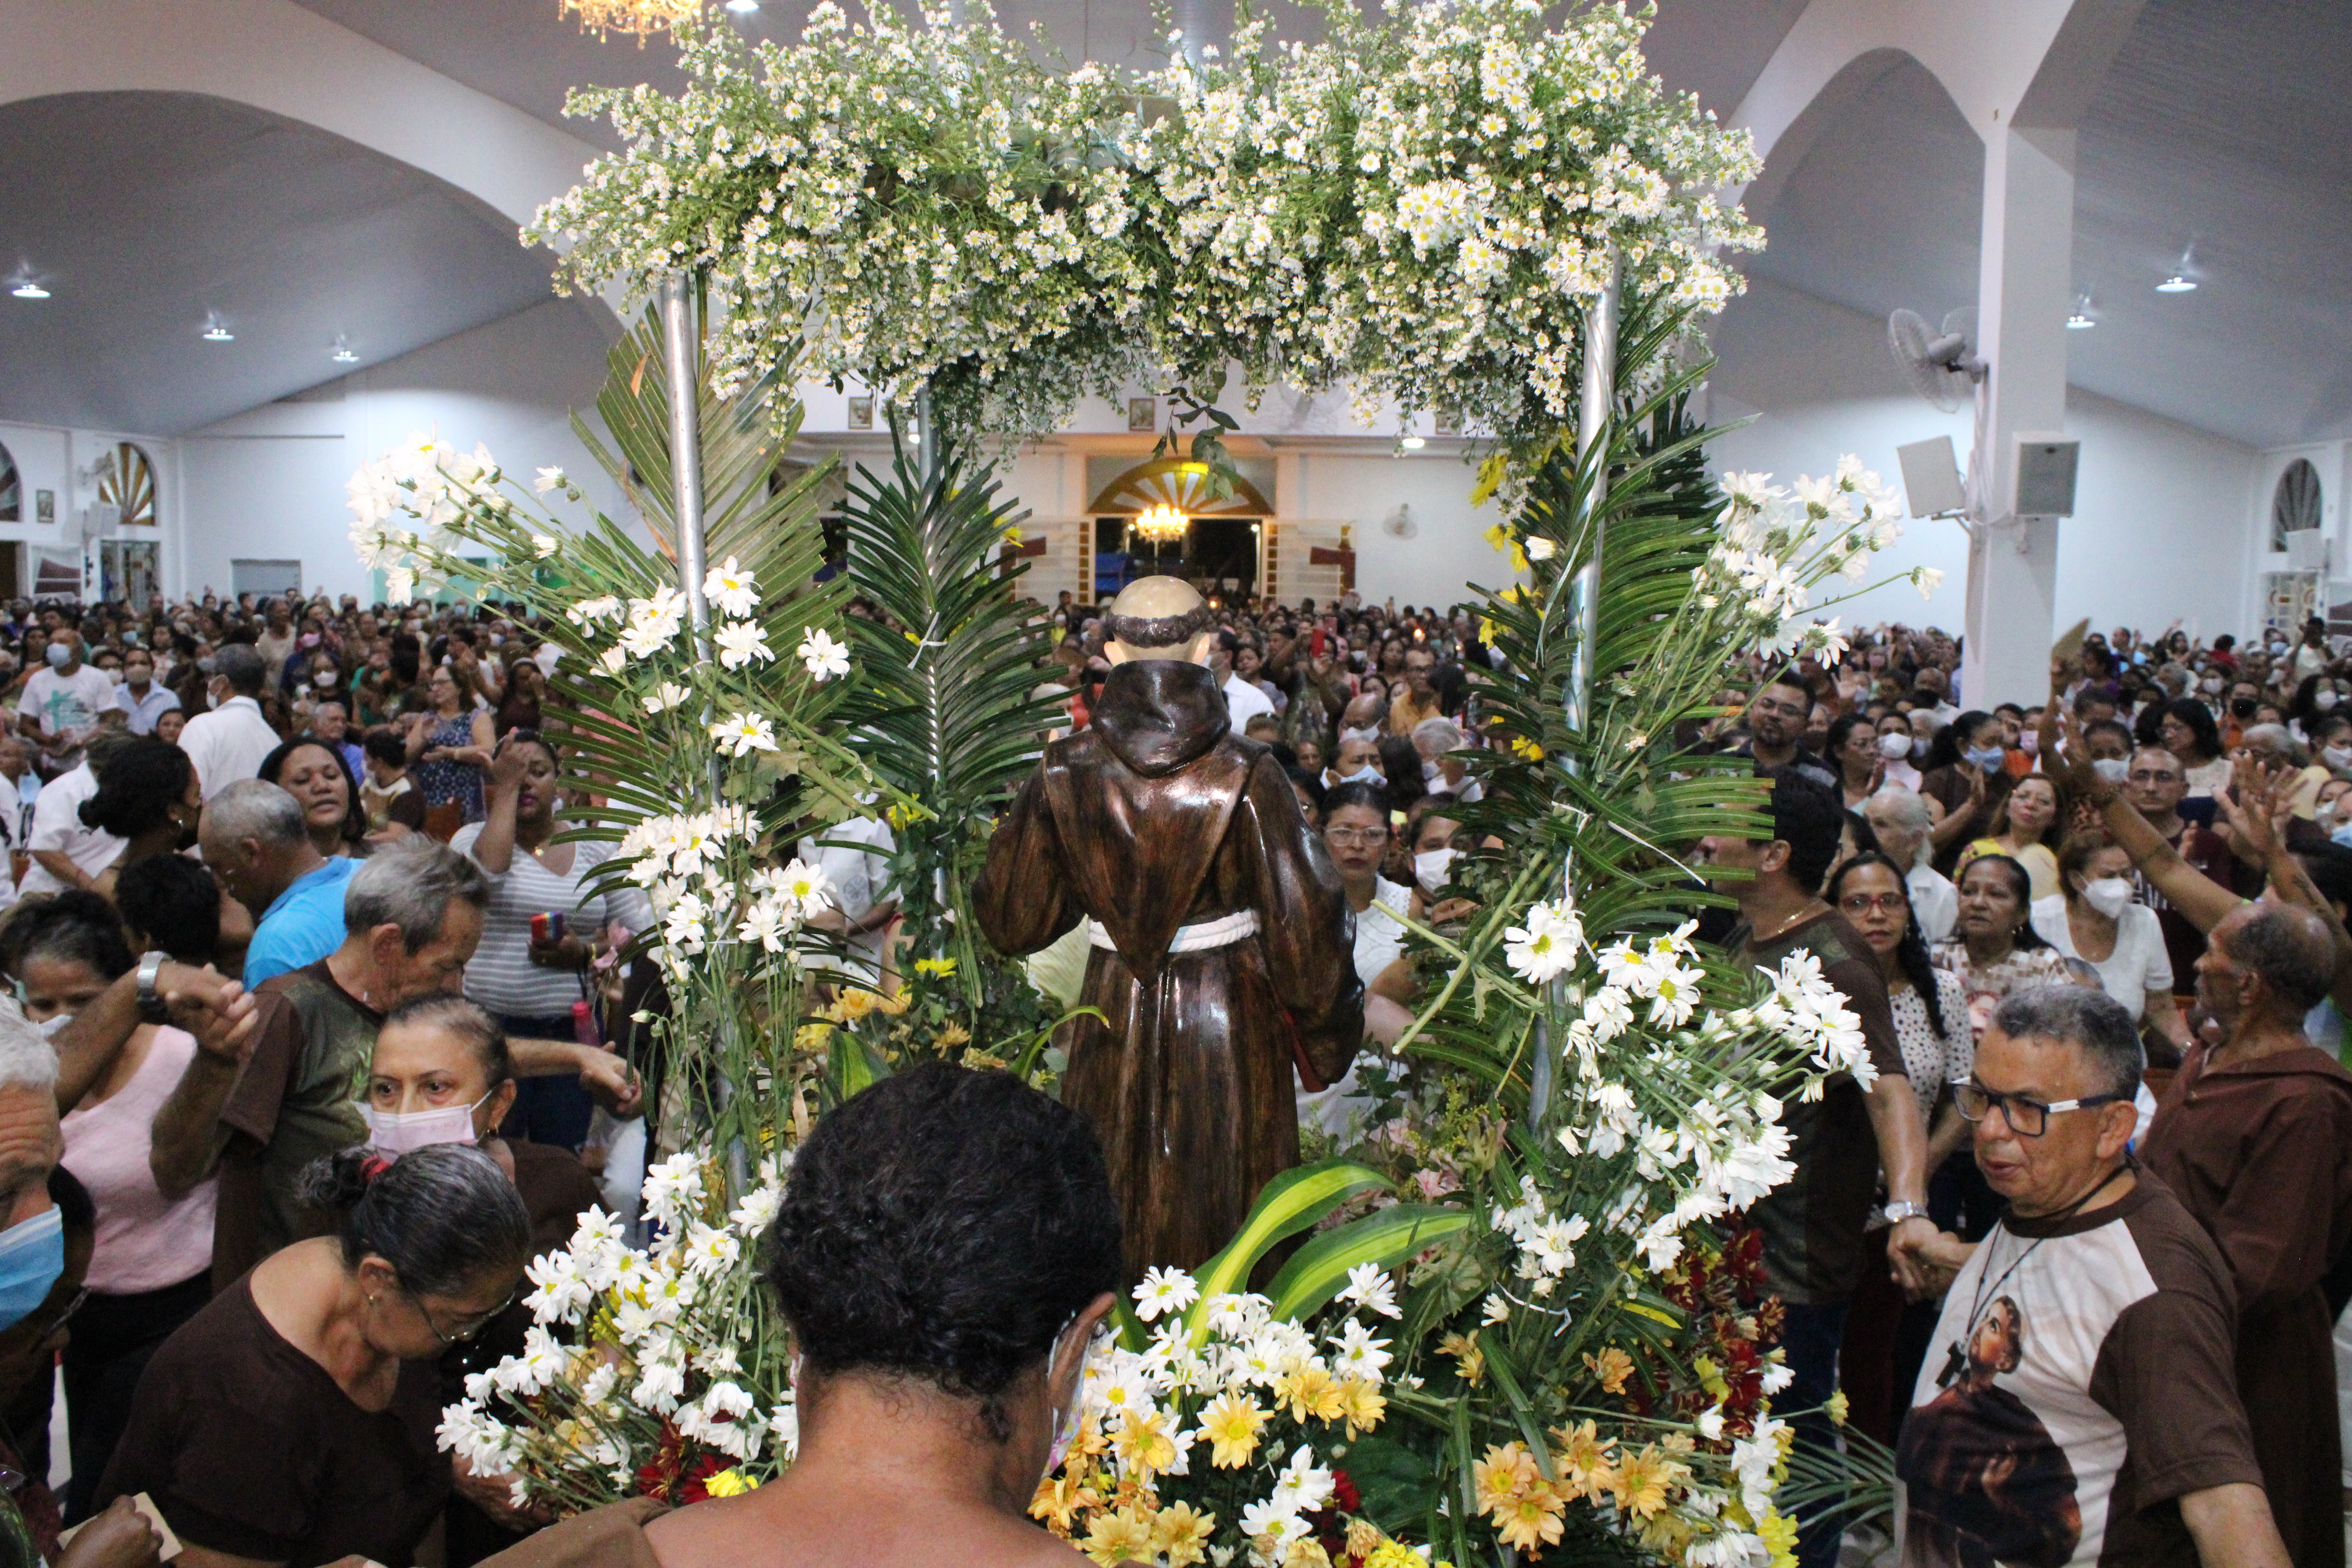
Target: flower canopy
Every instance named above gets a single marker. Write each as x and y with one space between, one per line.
1419 208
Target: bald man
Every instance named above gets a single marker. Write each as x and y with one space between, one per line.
1222 945
2254 1136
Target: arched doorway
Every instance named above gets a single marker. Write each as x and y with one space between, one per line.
1215 541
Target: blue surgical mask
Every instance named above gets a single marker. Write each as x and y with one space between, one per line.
32 1257
58 654
1989 757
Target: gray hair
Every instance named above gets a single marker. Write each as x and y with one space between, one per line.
2083 1016
1908 813
1443 735
26 1058
240 665
412 885
2276 740
444 1216
256 808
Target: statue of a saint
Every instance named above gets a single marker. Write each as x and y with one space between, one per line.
1221 937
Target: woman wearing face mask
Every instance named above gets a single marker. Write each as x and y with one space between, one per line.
320 782
1995 950
944 1253
292 1421
1852 750
2187 730
151 1269
2314 705
2096 921
1357 832
2028 822
149 800
1964 773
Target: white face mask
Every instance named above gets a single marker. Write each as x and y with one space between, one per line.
2338 756
396 1133
1920 744
1365 774
2210 685
324 680
1429 869
2323 700
2114 770
1894 745
2108 895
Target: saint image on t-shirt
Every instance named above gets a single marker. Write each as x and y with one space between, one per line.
1987 1485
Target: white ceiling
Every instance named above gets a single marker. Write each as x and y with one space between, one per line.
2224 121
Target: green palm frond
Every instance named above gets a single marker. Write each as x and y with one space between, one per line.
943 712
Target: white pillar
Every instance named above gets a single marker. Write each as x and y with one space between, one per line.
2025 289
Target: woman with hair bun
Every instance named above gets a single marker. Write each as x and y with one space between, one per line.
946 1248
292 1421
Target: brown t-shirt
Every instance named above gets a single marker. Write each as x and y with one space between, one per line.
296 1099
249 1447
1813 1226
2079 1384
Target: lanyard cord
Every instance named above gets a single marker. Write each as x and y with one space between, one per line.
1983 1291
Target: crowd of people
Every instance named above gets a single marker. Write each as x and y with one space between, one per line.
305 1075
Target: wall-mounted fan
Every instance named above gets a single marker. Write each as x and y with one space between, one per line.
1399 525
1940 366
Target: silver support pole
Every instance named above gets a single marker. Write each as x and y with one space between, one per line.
1595 407
680 353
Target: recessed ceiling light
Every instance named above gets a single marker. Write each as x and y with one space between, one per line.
2177 284
1412 443
28 289
343 354
2082 318
216 334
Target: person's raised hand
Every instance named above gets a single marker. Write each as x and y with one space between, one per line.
2258 804
2070 763
119 1536
506 766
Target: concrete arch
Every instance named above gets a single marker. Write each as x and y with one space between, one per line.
276 56
1836 97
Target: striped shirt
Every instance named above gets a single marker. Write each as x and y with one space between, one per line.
501 977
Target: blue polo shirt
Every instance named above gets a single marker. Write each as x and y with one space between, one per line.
303 925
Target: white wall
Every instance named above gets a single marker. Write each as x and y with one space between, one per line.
268 483
54 459
2160 508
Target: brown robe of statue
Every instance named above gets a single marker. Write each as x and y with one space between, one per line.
1152 819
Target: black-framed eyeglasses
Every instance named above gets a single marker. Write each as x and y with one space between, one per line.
467 1327
2027 1118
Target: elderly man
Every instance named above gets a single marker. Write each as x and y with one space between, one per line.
61 702
1439 744
256 842
138 697
1419 701
2255 1137
1900 819
2078 1404
261 1105
228 743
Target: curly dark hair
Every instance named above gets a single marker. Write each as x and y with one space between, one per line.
140 785
74 926
945 1224
174 902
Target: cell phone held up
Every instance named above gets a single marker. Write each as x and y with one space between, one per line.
547 928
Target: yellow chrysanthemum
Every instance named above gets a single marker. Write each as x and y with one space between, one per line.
1837 1408
1394 1554
1113 1538
1060 1498
1364 1540
1583 1463
1182 1534
1532 1522
1232 1424
1643 1481
731 1483
1465 1349
1361 1406
1611 1366
1523 747
1307 1391
811 1038
1779 1533
1144 1443
942 967
1503 1476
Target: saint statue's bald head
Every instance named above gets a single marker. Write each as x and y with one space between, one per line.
1158 617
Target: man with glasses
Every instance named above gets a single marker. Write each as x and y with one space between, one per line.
1777 717
2078 1403
2155 785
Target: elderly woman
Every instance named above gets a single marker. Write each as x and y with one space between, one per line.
292 1421
1900 820
944 1253
1996 950
1443 761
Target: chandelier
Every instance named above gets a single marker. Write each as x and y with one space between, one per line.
1160 522
638 16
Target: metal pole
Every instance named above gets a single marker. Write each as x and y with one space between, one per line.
1595 407
680 353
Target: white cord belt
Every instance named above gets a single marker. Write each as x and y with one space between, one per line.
1222 932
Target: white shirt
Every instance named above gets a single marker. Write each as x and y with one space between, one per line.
1244 703
227 743
58 826
857 879
1935 903
2138 966
67 703
1339 1110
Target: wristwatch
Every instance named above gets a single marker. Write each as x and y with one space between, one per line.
150 1001
1897 1213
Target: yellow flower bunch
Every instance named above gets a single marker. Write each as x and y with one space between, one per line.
1510 1490
1612 1367
731 1483
1499 539
939 968
1464 1348
1583 1465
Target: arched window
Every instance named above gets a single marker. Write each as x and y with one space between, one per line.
129 481
2294 504
12 490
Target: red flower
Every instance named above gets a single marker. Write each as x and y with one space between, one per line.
1343 1492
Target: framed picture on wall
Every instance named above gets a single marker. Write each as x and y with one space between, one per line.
861 413
1142 412
44 507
